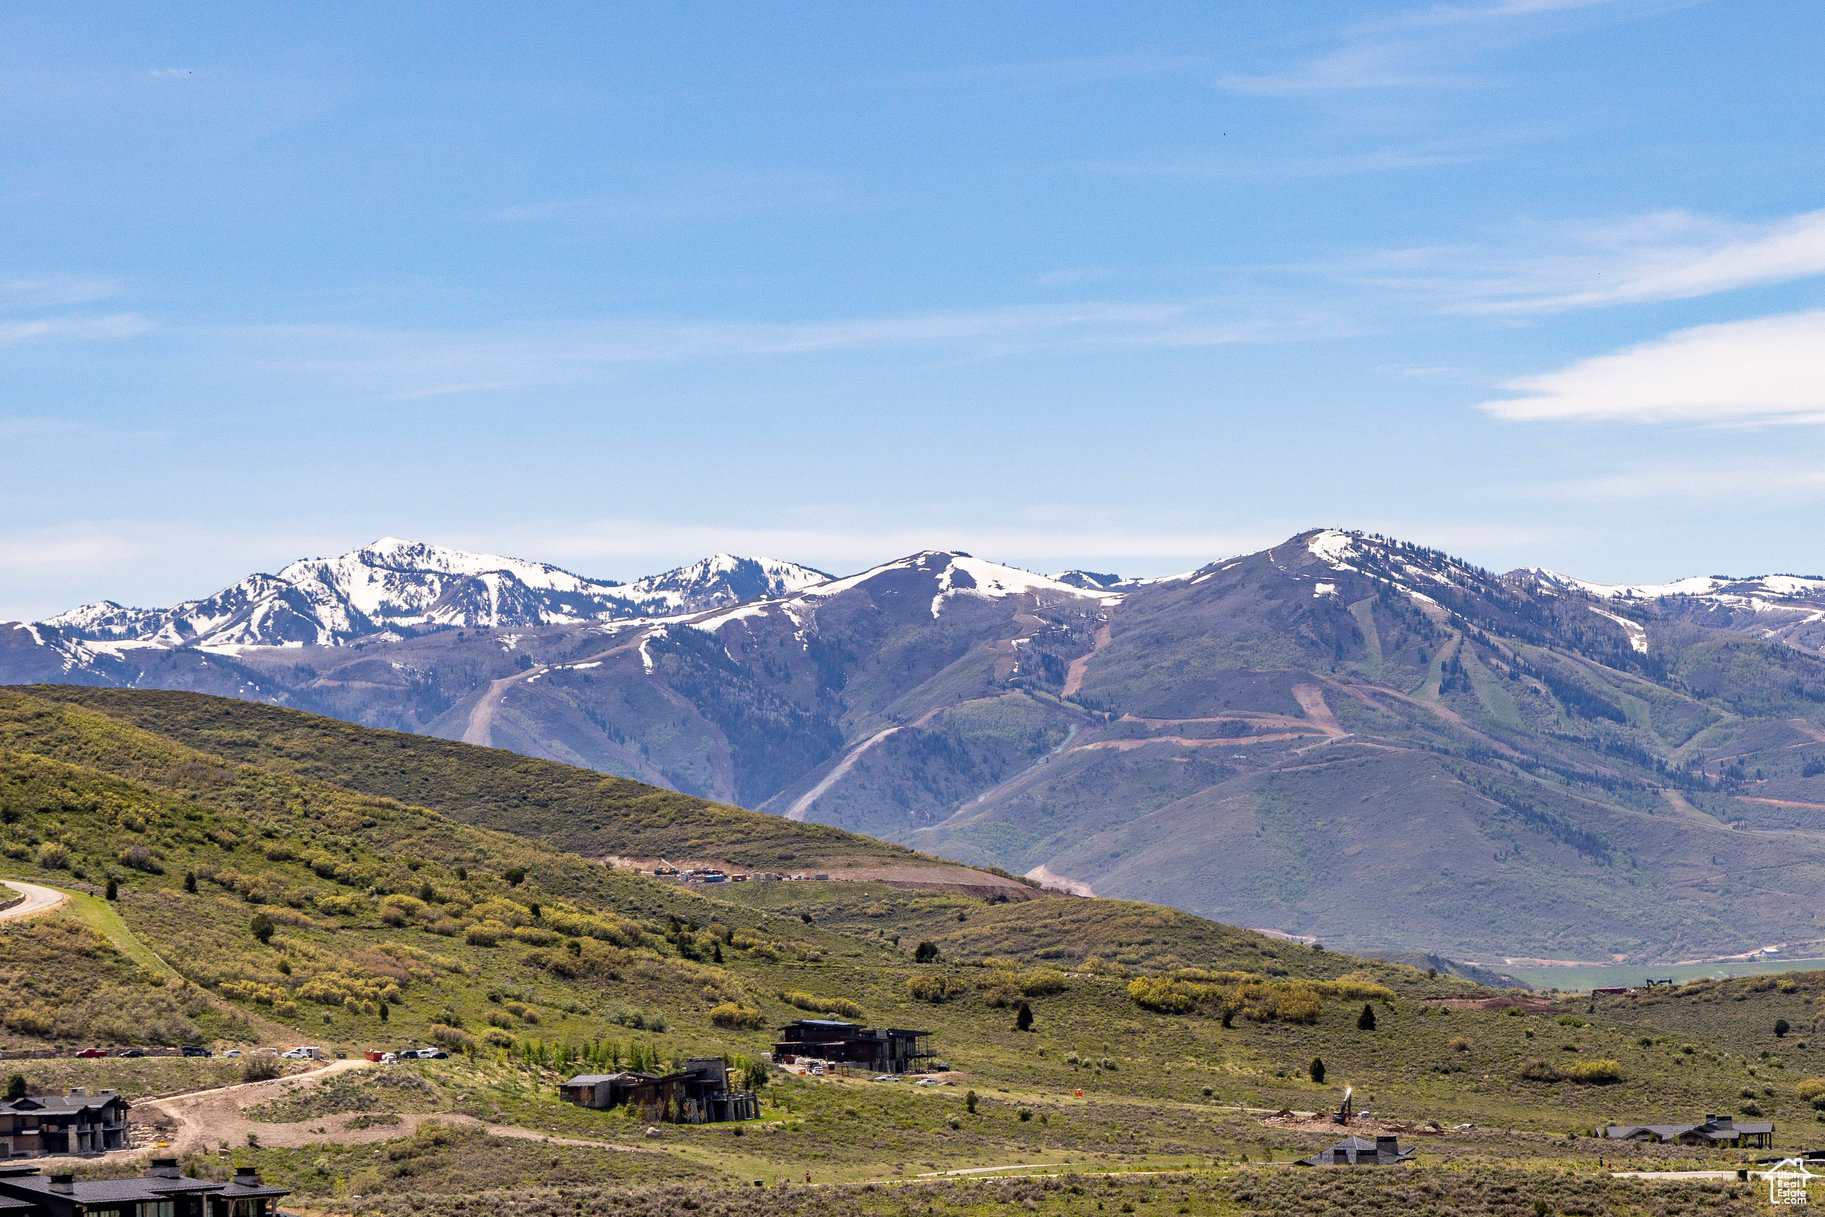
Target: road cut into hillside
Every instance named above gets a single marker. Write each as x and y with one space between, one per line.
958 880
37 899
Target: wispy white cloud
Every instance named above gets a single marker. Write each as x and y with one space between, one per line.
418 364
704 197
1343 164
1454 14
119 325
56 290
1769 370
1351 69
1664 256
1699 483
1423 48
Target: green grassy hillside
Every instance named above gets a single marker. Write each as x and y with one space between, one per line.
577 810
391 923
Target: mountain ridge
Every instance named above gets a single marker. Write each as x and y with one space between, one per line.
394 586
1342 736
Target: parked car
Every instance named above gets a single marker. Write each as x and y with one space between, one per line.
196 1050
304 1053
433 1054
92 1053
131 1052
928 1082
885 1077
232 1054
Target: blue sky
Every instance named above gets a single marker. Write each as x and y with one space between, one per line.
1121 286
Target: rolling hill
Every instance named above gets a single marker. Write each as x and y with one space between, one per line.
266 895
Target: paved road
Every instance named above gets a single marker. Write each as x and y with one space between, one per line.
37 899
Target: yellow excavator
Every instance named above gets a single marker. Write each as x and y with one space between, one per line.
1347 1112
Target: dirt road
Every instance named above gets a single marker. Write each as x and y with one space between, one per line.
204 1120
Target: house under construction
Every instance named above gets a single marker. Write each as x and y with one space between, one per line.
697 1094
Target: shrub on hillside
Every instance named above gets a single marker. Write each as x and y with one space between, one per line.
1231 993
454 1037
259 1069
935 988
140 858
1538 1070
1593 1073
822 1005
1811 1089
734 1015
486 934
30 1020
1164 995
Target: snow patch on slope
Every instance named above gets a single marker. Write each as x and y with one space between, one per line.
1638 636
1333 546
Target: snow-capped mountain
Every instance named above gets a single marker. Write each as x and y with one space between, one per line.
1303 715
398 588
1718 587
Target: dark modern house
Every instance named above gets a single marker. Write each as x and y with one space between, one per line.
1360 1151
697 1094
1716 1130
878 1050
76 1123
164 1192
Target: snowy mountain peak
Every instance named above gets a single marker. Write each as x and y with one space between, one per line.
1334 546
945 574
397 586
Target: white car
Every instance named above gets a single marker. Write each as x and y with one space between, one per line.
928 1082
232 1053
885 1077
302 1054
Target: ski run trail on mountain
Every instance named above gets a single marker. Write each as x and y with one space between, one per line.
1074 674
802 804
480 729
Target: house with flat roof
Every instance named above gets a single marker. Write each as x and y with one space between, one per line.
74 1123
878 1050
1713 1130
164 1191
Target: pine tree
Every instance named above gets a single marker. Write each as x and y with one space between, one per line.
1317 1069
1366 1021
1023 1018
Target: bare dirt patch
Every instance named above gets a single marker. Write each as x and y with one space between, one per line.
1506 1001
